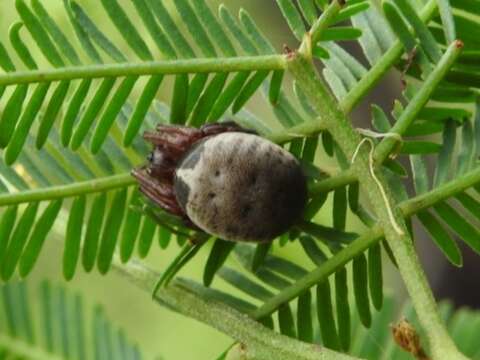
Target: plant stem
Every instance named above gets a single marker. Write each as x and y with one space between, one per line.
379 194
257 341
424 201
419 100
63 191
324 21
207 65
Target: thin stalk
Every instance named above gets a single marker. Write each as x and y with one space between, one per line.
62 191
379 194
241 63
322 23
308 128
343 178
419 100
257 341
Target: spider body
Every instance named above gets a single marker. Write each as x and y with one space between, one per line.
224 180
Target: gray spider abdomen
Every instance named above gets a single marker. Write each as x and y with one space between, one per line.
241 187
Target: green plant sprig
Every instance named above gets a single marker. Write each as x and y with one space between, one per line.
394 227
234 64
257 340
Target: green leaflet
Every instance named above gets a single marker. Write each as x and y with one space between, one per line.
360 287
110 231
179 99
294 19
51 113
39 34
127 29
195 28
244 284
441 237
228 95
91 112
40 231
285 320
304 317
208 98
131 228
72 112
20 133
219 253
375 276
249 89
261 252
92 233
141 108
17 241
146 236
11 114
339 213
342 309
325 316
7 223
459 224
111 112
73 237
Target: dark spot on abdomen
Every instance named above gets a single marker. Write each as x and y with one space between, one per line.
182 191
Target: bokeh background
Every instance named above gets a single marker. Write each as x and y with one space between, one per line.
162 334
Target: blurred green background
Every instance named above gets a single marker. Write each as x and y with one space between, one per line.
160 333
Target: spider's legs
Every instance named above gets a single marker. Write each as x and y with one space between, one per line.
165 203
160 193
226 126
175 137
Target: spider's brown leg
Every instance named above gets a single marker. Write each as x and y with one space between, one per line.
173 135
165 203
218 128
146 181
172 145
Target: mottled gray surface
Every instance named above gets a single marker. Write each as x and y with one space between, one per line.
241 187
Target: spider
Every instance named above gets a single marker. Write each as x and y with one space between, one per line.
224 180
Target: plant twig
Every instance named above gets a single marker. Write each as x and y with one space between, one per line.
207 65
401 244
258 342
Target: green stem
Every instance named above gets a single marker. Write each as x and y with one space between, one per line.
63 191
424 201
379 194
419 100
324 21
334 182
308 128
257 341
241 63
